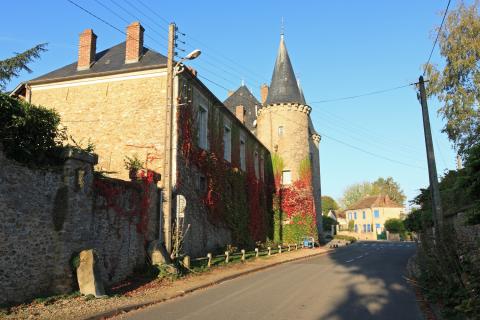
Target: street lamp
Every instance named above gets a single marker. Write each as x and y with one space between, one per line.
179 67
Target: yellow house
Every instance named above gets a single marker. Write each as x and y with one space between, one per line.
370 213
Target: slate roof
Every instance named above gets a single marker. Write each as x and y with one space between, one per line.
244 97
283 87
380 201
108 61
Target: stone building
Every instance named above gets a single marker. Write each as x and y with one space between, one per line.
117 99
221 160
370 213
282 123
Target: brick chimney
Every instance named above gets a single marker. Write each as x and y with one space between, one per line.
264 92
240 113
86 49
134 46
230 92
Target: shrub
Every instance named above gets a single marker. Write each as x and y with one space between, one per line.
28 133
395 225
328 223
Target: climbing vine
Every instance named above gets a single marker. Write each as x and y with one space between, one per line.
233 197
294 205
114 191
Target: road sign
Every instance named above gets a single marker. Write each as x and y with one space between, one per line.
181 205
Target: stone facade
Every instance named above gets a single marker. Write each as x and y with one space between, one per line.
50 215
121 114
284 130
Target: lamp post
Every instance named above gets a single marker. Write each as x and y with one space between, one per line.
172 72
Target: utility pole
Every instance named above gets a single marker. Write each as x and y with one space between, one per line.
437 213
167 168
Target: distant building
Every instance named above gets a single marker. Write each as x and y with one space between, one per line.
340 217
370 213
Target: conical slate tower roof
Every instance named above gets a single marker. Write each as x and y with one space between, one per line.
283 87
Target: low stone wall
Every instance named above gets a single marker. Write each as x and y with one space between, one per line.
49 215
359 236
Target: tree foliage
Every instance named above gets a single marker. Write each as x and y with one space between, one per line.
328 203
28 133
381 186
328 223
394 225
457 84
11 67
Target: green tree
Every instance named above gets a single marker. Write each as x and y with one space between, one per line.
328 203
457 84
391 188
328 223
395 225
11 67
381 186
355 192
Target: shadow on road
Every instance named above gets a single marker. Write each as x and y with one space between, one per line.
373 283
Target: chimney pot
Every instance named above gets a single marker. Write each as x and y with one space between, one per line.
264 92
87 47
134 42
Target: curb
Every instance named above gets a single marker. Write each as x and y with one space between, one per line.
128 308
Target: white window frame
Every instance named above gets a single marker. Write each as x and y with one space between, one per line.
243 148
280 131
227 141
286 177
202 127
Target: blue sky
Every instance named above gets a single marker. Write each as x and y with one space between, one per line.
338 48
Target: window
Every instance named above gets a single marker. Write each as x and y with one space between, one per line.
202 184
262 168
377 225
355 215
349 216
286 177
363 215
202 126
280 131
376 214
364 228
356 228
243 165
369 228
227 143
255 159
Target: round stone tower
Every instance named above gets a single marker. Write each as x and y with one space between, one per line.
284 120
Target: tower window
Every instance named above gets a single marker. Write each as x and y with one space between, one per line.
286 177
280 131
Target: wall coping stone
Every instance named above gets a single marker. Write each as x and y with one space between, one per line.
70 153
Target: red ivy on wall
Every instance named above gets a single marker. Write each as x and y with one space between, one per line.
217 171
114 192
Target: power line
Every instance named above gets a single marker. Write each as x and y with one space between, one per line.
103 20
371 153
213 82
358 148
363 94
436 38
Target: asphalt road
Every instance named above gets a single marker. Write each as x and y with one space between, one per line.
361 281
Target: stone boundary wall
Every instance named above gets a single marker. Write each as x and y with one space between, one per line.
49 215
359 235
